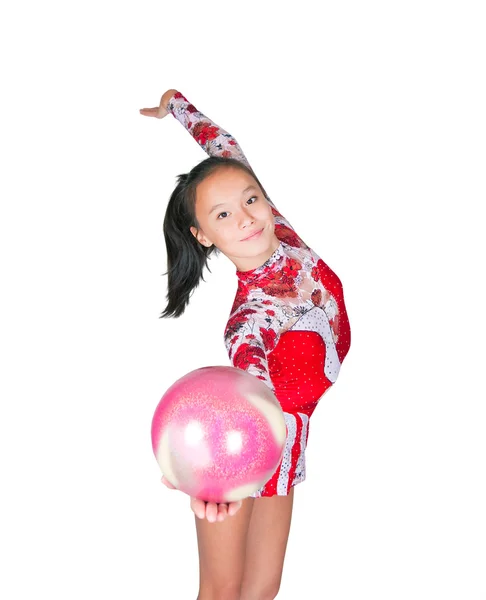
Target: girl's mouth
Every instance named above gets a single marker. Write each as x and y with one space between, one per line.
252 237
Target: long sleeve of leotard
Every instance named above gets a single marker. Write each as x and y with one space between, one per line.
215 141
248 341
251 332
212 138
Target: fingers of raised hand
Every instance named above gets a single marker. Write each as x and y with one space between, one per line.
149 112
157 111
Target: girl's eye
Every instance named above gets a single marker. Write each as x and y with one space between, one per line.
225 212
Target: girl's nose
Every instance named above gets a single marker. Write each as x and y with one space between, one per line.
246 219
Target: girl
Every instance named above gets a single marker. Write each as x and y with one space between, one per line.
288 326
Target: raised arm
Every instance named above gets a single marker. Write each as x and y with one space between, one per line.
212 138
215 141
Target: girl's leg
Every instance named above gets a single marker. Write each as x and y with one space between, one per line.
266 545
222 554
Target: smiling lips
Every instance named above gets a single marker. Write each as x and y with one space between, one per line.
253 236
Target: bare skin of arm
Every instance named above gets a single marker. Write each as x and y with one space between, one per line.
210 510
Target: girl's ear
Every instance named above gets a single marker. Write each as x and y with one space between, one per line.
200 237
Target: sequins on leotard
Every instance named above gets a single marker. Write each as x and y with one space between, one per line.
288 325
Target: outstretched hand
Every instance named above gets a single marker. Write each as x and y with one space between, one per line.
160 111
209 510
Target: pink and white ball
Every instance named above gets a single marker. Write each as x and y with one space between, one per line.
218 434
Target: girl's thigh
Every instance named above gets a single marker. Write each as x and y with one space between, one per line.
222 547
266 546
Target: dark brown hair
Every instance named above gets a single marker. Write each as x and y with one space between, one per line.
186 256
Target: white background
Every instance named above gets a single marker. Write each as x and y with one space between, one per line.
365 122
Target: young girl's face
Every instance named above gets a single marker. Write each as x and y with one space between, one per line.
231 206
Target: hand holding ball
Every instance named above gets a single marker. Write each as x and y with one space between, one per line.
218 434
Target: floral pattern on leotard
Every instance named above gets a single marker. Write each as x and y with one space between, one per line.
271 299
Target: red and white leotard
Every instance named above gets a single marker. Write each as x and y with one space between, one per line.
288 325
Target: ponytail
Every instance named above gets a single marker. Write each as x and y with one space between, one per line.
186 256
